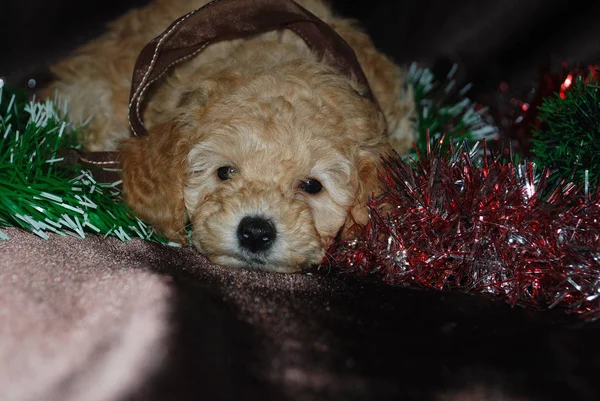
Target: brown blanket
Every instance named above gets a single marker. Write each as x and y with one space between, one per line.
98 319
80 320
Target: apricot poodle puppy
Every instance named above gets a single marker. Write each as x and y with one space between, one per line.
269 153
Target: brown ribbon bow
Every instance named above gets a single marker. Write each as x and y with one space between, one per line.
226 20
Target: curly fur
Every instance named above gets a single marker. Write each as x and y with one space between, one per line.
264 106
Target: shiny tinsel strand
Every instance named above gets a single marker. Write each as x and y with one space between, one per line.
456 221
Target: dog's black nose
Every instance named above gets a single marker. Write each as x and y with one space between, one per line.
256 234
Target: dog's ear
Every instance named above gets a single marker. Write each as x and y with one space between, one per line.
154 169
368 165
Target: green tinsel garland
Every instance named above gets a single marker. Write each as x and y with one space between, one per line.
569 137
440 110
38 195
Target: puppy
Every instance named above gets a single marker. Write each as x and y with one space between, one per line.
267 152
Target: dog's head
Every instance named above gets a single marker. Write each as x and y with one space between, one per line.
268 168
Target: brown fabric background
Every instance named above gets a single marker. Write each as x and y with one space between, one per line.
492 41
98 319
78 319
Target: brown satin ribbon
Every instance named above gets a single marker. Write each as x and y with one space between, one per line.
226 20
104 166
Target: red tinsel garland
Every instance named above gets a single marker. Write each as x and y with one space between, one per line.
490 227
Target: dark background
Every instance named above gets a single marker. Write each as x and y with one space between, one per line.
492 41
450 341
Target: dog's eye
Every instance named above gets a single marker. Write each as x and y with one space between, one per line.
311 186
226 172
